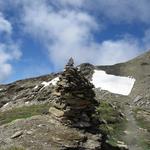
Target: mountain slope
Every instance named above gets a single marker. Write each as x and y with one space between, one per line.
124 120
136 106
139 68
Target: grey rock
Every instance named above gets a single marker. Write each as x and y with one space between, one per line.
138 98
17 134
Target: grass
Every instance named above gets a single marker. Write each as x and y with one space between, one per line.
22 112
143 123
112 119
145 144
108 113
113 123
14 148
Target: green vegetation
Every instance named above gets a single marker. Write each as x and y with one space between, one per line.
14 148
142 116
113 123
110 117
108 113
143 120
23 112
145 144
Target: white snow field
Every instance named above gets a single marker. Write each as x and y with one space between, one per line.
112 83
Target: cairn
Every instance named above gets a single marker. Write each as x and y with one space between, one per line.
75 98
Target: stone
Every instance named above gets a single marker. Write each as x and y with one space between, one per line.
93 142
138 98
85 117
56 93
17 134
59 105
82 124
122 147
56 112
29 132
70 63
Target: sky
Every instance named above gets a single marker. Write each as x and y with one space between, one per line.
37 37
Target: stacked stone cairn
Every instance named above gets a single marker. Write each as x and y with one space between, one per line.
74 96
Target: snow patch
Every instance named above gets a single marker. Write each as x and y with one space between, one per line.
52 82
112 83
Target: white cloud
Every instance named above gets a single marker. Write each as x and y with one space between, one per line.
5 25
75 3
66 28
115 51
116 10
65 33
69 33
107 52
9 51
127 10
146 39
5 68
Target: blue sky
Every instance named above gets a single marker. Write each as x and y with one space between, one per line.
38 36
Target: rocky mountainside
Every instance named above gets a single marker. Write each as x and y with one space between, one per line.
139 68
64 111
136 105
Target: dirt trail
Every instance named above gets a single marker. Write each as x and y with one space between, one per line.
134 134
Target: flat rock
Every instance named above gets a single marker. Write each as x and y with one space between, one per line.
56 112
